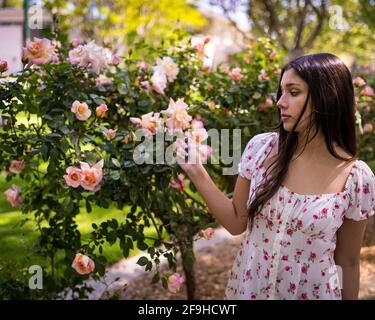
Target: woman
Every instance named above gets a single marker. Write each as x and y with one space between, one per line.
301 195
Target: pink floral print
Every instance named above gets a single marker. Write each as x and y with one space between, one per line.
287 252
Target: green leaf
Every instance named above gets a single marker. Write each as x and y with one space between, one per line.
141 245
155 278
115 175
142 261
116 162
88 206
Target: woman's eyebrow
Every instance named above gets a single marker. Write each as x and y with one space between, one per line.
291 84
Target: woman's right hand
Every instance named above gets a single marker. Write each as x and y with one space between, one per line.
190 157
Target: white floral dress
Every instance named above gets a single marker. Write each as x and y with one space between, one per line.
288 253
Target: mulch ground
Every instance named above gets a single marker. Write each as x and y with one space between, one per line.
212 268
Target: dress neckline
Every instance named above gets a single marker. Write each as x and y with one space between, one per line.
348 179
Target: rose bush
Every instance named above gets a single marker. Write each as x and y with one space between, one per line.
92 108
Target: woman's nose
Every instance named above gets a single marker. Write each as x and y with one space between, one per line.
281 103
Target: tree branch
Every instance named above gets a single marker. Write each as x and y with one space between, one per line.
301 16
321 14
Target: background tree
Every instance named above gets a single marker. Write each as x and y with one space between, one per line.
119 23
305 26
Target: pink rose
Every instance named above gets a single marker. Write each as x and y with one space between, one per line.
264 105
109 134
174 282
368 127
197 124
208 233
3 66
127 138
115 60
13 196
76 42
159 82
83 264
143 64
103 80
73 177
359 81
235 74
263 76
101 110
277 72
91 176
17 166
368 91
179 184
272 56
224 68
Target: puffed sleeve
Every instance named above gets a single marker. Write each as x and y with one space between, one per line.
361 193
255 152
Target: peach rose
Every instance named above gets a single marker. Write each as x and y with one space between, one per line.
178 119
13 196
208 233
83 264
81 109
148 122
17 166
168 67
39 51
101 110
174 282
73 177
198 135
91 176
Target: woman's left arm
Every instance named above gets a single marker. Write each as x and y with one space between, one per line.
347 256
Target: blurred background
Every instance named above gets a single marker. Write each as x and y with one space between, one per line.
344 28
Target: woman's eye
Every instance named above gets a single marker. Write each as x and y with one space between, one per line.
294 93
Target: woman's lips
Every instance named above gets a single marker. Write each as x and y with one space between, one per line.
284 118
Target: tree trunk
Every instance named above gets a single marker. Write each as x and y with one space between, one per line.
190 283
295 53
189 274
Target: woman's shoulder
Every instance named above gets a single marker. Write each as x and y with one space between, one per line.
263 138
363 171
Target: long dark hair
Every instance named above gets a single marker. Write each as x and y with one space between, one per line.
331 91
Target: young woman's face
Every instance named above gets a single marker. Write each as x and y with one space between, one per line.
294 93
